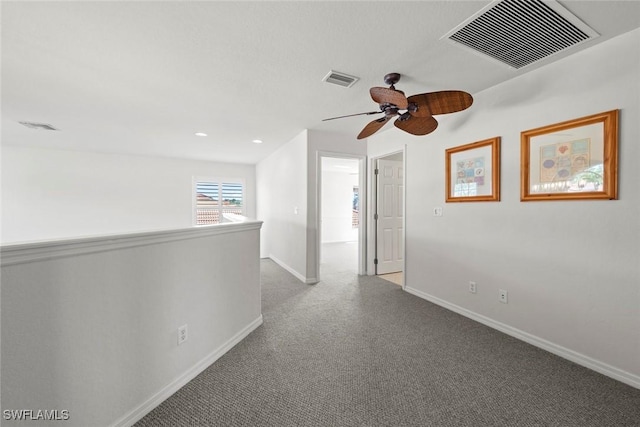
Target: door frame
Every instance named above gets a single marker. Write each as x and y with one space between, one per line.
373 226
362 215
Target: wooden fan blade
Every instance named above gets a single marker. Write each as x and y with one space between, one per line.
443 102
373 127
383 95
417 125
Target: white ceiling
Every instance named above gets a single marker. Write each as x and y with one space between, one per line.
143 77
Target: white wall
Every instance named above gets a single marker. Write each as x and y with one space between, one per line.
91 325
572 268
48 194
286 180
282 205
337 206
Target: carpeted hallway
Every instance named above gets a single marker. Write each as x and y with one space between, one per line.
359 351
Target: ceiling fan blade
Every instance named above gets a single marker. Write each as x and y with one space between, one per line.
373 127
417 125
383 95
351 115
443 102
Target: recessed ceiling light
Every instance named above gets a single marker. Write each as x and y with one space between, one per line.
201 134
257 141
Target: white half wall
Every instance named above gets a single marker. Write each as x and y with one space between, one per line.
571 268
51 194
90 325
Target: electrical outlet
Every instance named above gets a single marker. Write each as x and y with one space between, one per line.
182 334
472 287
502 296
437 211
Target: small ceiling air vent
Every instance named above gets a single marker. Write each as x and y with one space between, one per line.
519 33
340 79
37 126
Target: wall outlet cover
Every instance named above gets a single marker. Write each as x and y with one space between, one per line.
473 287
182 334
502 296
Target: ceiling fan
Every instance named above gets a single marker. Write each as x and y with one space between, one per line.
420 109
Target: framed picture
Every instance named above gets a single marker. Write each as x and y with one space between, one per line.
473 172
572 160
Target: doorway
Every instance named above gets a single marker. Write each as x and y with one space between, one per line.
389 217
341 194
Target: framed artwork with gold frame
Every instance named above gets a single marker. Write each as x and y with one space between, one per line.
572 160
473 172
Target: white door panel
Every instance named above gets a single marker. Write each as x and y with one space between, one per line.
387 256
387 201
390 209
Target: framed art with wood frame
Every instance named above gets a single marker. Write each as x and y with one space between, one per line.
572 160
473 172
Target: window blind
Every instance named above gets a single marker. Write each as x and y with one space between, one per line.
214 198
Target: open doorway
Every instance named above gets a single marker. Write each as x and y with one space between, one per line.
341 194
389 217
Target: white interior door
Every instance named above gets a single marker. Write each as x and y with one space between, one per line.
389 210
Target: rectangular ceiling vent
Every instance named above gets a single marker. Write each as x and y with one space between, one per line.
519 33
37 126
340 79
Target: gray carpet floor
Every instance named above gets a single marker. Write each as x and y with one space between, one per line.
359 351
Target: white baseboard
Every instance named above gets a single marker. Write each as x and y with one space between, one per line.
580 359
302 278
138 413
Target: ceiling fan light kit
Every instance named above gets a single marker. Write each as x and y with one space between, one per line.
417 119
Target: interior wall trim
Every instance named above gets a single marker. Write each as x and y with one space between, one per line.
299 276
21 253
150 404
579 358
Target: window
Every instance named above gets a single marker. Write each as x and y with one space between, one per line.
355 209
213 198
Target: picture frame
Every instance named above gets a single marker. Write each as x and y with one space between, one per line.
572 160
473 172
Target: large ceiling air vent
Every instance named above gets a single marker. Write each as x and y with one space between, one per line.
37 126
519 33
340 79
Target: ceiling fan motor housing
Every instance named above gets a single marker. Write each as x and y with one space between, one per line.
392 78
